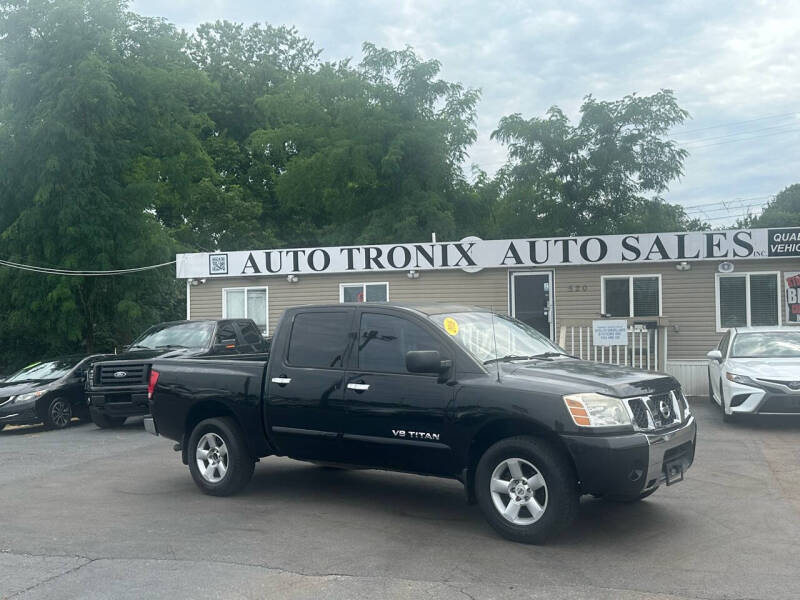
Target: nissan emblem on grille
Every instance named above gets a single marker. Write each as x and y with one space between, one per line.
120 374
663 406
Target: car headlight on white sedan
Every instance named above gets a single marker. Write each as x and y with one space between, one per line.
591 409
743 379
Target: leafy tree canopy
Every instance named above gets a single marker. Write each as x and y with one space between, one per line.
781 211
604 174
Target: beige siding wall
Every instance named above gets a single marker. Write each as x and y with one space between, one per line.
688 297
486 288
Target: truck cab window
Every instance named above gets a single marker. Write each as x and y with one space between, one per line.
383 341
226 333
319 339
251 337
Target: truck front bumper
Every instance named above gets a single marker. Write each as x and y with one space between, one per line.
122 403
628 465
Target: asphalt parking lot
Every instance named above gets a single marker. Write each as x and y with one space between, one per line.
89 513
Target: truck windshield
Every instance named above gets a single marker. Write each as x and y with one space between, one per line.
177 335
495 338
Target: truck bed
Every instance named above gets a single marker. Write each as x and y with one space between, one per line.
236 383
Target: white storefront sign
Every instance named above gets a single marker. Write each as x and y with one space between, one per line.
472 254
610 332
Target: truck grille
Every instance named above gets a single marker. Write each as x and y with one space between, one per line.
639 412
120 374
658 411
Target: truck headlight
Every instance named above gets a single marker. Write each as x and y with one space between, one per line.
596 410
743 379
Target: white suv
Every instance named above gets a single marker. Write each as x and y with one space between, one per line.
756 370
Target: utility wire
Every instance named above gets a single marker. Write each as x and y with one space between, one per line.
782 126
733 123
746 139
74 273
733 201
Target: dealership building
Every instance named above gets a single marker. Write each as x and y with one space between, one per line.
655 300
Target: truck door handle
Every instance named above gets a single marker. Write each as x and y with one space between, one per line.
281 381
359 387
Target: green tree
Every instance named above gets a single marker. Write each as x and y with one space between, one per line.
366 154
89 98
604 174
782 211
243 63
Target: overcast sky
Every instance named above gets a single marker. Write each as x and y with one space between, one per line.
734 65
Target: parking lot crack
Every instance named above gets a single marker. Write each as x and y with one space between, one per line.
86 561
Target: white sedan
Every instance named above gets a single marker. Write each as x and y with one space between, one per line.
756 370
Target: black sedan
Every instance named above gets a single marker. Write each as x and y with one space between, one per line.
50 392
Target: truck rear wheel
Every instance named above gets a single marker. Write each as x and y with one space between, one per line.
218 458
526 489
104 421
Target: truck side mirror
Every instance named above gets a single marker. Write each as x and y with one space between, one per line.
715 355
426 361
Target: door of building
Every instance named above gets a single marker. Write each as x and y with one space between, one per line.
532 300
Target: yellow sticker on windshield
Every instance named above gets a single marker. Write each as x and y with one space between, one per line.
451 326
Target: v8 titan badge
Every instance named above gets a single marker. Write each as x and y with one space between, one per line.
451 326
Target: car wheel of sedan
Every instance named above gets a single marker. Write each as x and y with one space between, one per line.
58 414
526 489
218 458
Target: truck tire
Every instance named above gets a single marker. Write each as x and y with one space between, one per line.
526 489
57 414
104 421
218 458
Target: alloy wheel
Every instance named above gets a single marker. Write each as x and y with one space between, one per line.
60 413
519 491
212 457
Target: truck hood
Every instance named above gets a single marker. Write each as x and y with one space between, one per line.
145 354
572 376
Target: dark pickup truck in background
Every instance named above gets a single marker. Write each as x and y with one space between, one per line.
444 390
116 387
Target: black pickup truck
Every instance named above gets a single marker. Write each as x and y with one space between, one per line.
445 390
116 387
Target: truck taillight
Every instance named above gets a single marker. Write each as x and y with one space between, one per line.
151 385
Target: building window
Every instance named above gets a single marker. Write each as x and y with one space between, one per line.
363 292
631 296
747 299
246 303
